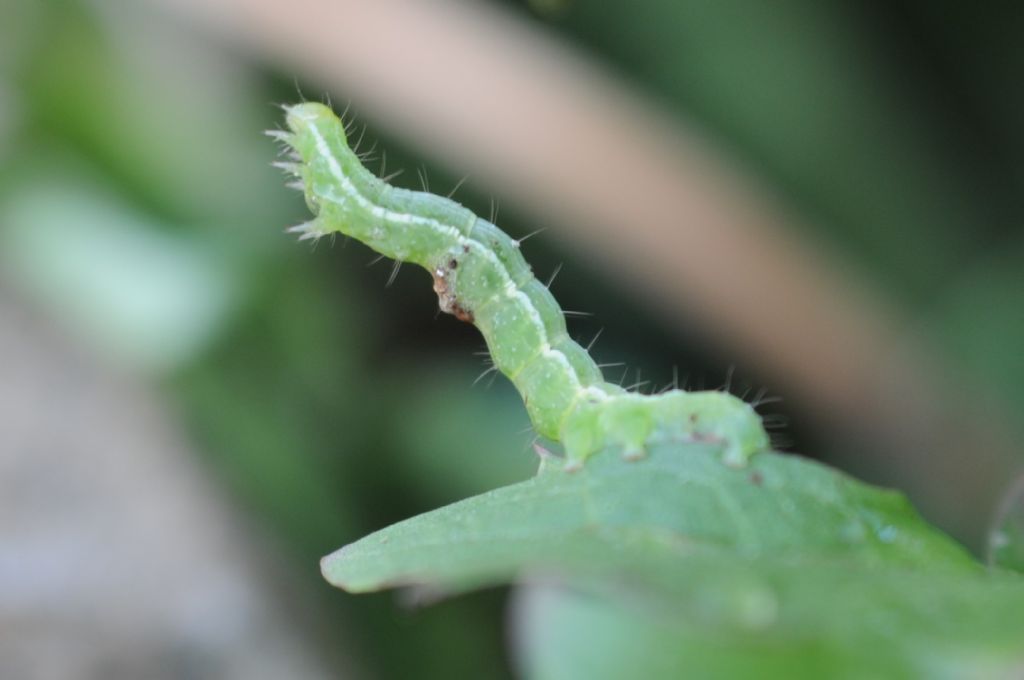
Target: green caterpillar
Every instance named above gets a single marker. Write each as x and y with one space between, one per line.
481 277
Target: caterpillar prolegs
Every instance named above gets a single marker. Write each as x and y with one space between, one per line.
481 277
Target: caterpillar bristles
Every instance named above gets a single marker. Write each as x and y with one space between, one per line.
457 186
554 275
394 273
774 421
279 135
518 242
369 152
359 142
758 402
729 373
306 231
487 371
289 167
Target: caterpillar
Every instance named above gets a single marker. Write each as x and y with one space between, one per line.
481 277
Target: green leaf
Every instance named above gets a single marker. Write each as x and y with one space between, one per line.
785 555
680 504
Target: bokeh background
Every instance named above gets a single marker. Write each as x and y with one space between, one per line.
819 202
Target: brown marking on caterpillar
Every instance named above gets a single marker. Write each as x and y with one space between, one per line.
447 300
756 478
461 313
705 438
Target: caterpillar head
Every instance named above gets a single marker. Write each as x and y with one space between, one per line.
311 127
303 119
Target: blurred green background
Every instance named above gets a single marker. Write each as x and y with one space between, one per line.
141 236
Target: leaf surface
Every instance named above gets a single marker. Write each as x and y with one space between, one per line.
785 555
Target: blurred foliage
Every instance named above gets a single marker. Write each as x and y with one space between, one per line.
137 205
